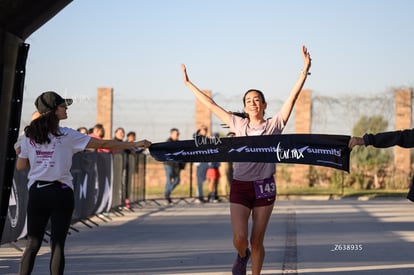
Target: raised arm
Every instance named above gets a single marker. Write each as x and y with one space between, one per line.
95 143
222 114
294 93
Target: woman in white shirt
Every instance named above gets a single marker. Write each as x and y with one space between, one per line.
47 149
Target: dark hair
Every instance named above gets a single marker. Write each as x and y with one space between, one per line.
82 128
39 129
131 133
99 126
119 129
254 90
240 114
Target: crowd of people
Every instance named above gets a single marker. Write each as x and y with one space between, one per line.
212 174
98 132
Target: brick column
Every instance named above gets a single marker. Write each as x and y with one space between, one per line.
202 114
303 112
402 156
104 109
303 121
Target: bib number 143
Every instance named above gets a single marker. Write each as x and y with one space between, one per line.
265 188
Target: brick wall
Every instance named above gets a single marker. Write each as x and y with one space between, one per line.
402 156
303 121
104 110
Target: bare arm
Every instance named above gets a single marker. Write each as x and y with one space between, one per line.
222 114
294 93
22 164
95 143
354 141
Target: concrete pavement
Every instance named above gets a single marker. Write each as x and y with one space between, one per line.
347 236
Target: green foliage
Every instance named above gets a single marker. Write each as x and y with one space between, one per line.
372 124
369 161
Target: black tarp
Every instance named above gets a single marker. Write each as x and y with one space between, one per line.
18 20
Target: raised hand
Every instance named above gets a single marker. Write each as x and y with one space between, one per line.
185 76
306 58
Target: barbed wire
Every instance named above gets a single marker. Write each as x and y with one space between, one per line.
339 114
153 118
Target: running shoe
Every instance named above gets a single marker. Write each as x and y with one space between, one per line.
240 264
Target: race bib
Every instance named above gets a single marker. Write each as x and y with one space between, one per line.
265 188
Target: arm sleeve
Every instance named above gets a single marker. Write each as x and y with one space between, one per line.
404 138
79 140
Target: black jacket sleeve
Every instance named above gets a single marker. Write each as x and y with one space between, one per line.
404 138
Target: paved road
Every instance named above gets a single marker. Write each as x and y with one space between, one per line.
337 237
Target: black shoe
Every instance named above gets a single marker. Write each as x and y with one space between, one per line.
240 264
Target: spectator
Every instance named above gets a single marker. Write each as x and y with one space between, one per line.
172 169
226 173
83 130
212 177
202 167
98 132
131 136
402 138
119 134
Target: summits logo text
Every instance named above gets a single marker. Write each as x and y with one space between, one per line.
332 151
209 151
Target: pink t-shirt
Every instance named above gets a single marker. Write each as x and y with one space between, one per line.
251 171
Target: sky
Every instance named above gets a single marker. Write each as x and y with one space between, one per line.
357 47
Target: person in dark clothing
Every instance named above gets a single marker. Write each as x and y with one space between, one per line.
402 138
172 169
201 167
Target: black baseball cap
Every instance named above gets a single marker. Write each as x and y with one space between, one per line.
49 100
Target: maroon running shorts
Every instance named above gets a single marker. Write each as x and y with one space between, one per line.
242 192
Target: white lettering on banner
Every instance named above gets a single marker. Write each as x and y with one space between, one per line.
210 151
280 153
287 154
202 140
331 151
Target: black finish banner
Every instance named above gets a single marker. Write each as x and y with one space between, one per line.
312 149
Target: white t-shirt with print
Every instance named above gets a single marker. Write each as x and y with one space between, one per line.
53 161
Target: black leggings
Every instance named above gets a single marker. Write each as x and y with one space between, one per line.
47 200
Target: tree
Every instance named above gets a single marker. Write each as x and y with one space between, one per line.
369 162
